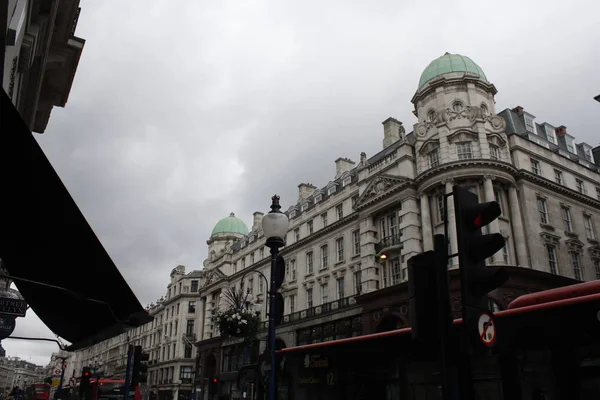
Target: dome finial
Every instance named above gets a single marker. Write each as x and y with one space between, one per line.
231 214
446 54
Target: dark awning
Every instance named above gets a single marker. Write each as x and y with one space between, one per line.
45 238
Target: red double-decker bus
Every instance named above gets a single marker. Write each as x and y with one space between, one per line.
39 391
107 389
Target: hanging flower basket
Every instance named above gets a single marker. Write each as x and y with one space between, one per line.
236 322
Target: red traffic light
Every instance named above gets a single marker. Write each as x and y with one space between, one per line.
215 380
86 374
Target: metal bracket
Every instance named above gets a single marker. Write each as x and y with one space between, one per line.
60 345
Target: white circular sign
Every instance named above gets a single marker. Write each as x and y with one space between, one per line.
57 371
486 326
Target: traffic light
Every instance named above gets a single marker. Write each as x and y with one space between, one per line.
477 280
139 373
84 382
279 277
213 384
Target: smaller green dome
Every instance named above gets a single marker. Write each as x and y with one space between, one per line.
450 63
230 224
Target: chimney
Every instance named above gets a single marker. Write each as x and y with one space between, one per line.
392 131
256 223
596 155
343 165
518 110
561 130
305 190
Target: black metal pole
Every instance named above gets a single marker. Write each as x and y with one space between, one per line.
62 373
272 331
128 372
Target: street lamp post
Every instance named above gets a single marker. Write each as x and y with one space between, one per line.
275 227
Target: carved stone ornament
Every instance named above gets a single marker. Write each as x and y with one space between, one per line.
470 112
595 252
498 124
378 186
421 129
363 160
574 245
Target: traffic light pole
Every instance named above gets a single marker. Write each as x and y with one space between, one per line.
128 373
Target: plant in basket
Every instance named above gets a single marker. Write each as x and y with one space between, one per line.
237 319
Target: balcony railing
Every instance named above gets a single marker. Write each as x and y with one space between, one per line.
388 242
323 309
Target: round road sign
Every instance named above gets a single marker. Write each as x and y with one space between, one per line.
486 325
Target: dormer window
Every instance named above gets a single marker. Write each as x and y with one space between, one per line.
529 124
251 239
304 207
292 214
331 191
346 181
318 198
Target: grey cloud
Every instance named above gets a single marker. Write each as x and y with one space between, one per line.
182 112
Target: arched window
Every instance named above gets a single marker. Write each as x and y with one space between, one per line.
431 116
484 110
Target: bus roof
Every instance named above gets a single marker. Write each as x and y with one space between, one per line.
548 299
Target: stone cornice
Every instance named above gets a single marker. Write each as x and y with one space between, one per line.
455 165
555 187
406 184
443 81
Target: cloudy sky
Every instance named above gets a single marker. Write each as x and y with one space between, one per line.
184 111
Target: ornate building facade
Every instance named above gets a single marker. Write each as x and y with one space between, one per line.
348 242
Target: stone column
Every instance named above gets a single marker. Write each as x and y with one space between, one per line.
494 226
516 222
426 223
452 242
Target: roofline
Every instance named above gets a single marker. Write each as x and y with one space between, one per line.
514 308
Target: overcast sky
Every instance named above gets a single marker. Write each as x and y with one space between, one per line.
184 111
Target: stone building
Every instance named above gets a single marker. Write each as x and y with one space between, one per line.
348 242
169 340
41 56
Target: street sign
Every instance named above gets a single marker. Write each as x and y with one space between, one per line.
486 326
7 325
11 306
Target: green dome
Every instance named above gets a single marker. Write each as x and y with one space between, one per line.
450 63
230 224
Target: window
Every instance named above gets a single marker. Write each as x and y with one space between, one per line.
292 214
339 247
598 192
261 286
358 282
186 372
324 220
396 268
191 307
297 234
576 261
324 293
187 352
433 158
346 181
566 214
464 151
324 256
331 191
292 270
261 253
494 152
177 308
589 227
498 196
304 207
292 304
309 263
558 176
318 198
244 262
580 186
251 258
194 287
309 298
189 329
309 227
340 288
597 267
356 242
440 207
535 167
543 210
388 226
431 116
529 124
484 110
339 210
251 285
355 199
505 253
